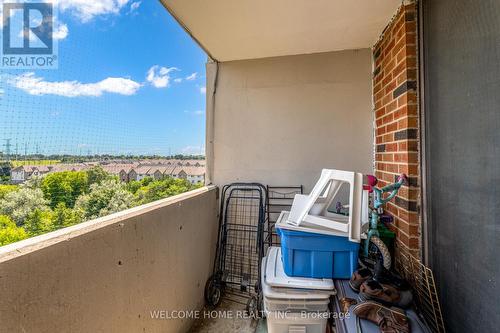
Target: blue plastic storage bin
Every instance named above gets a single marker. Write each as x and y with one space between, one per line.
313 255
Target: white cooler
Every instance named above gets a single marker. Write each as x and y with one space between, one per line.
301 306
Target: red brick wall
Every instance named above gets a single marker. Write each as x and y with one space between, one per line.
396 121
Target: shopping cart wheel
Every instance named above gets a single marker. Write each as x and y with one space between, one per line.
213 291
253 307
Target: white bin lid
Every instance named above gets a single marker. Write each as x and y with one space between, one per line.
282 223
276 277
280 293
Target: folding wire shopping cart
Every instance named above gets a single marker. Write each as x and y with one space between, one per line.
240 246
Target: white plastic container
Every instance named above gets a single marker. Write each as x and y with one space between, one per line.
293 310
297 322
276 277
290 305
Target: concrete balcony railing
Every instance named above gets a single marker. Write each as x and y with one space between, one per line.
110 274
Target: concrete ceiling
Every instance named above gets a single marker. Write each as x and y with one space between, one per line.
249 29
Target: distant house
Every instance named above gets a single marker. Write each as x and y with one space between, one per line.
196 163
18 175
124 175
132 175
152 171
194 174
168 170
191 170
157 174
182 174
67 167
22 173
43 169
164 171
142 172
175 172
120 170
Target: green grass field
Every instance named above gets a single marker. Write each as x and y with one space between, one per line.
34 162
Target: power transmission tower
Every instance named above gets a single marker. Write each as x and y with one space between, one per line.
7 146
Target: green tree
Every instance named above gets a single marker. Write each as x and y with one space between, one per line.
33 182
146 181
162 188
9 231
134 185
6 189
65 217
106 198
39 222
19 204
97 175
64 187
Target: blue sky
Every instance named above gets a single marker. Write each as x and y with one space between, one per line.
129 80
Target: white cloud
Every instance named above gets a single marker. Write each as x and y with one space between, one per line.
195 113
60 31
192 76
203 90
134 6
193 150
86 10
159 76
178 80
34 85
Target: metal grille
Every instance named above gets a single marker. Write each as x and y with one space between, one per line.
421 279
279 198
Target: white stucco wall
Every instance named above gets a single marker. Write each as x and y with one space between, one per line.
279 121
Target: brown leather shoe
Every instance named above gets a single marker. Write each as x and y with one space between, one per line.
346 302
389 320
358 277
385 294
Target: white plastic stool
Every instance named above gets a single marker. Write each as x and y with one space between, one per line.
312 209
